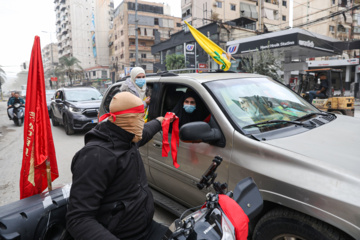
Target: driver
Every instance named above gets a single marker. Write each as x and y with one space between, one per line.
322 91
12 101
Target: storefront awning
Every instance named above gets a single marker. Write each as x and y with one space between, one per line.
292 43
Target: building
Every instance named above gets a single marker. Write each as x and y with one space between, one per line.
98 76
338 19
196 58
267 14
50 59
82 30
154 25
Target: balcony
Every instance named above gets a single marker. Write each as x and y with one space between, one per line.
146 60
140 48
142 37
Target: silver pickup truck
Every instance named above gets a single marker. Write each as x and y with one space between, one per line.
305 162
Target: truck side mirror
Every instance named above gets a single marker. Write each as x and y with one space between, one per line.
196 132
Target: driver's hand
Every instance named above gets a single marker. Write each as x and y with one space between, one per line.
147 100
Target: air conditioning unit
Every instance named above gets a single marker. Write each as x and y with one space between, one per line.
215 4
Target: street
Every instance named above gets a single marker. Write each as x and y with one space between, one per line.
11 145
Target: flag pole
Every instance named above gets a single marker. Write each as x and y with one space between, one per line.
48 174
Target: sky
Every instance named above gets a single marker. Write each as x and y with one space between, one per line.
22 20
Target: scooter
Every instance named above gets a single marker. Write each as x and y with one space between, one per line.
225 215
18 114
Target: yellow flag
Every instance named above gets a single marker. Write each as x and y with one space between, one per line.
210 47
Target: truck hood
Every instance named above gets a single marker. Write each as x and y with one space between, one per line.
336 143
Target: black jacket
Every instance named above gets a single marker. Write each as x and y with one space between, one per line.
110 197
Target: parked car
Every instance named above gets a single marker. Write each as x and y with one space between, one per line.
50 94
76 108
304 161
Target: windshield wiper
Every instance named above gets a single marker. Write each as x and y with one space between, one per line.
277 121
314 113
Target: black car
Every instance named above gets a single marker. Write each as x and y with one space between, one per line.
75 108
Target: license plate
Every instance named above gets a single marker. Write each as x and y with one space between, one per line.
94 121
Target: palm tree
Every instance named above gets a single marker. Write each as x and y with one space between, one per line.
175 61
69 66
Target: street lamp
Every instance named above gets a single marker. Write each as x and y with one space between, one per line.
52 58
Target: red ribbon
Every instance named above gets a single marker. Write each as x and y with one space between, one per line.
174 137
138 109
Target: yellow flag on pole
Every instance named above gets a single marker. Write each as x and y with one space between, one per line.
210 47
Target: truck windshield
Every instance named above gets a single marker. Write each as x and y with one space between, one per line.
255 100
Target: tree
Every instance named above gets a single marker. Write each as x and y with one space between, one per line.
265 63
69 66
175 61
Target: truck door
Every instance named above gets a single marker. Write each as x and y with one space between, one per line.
193 158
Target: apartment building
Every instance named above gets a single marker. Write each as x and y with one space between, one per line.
266 15
336 18
50 60
155 24
82 30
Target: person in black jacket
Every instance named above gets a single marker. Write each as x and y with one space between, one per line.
110 197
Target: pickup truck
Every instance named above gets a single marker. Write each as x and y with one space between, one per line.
305 162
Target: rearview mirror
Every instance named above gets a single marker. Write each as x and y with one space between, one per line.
58 100
199 132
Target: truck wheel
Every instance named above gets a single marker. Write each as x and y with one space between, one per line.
53 120
282 224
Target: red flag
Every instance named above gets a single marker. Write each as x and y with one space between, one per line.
38 141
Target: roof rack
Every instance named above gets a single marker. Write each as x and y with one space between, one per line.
161 74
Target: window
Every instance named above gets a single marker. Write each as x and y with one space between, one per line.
94 73
115 48
331 28
132 43
284 3
122 44
178 24
121 33
156 21
143 67
145 32
283 17
121 56
143 55
131 55
356 29
115 37
232 7
142 44
103 74
333 2
219 4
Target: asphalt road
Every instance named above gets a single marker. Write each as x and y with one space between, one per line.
11 149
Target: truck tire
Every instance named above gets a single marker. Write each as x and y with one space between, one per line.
281 224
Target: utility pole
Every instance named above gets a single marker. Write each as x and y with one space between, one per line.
136 36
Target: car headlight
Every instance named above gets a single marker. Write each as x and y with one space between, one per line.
75 110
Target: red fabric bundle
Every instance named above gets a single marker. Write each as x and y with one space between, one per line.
174 137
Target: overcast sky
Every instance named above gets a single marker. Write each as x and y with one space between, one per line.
22 20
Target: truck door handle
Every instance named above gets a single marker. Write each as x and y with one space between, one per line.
157 145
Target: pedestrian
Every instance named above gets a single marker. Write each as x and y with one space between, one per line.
136 85
110 197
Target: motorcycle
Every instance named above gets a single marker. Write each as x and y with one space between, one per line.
225 214
18 114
